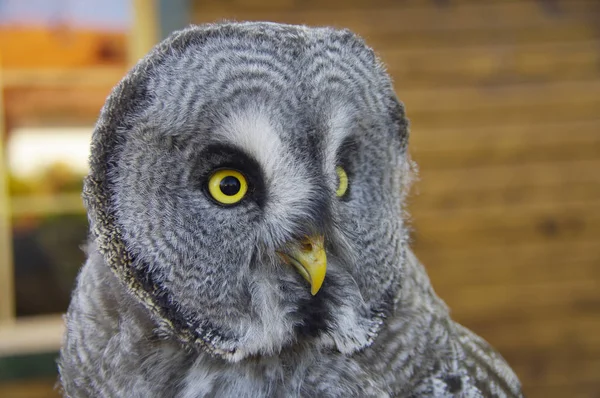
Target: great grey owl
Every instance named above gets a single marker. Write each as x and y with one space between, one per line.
245 200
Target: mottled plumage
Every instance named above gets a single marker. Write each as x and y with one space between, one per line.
182 296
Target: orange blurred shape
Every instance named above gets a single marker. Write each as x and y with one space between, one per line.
60 46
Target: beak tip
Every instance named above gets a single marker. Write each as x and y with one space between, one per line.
315 286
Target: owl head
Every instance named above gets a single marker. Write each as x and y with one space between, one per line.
246 187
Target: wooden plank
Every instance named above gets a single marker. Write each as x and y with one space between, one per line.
544 370
507 104
504 264
398 18
500 98
571 390
457 139
534 333
516 153
505 144
291 5
547 183
507 62
545 330
529 334
24 336
520 327
534 223
381 40
435 182
553 194
531 113
484 305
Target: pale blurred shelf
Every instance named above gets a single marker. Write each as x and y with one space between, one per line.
66 203
62 77
31 335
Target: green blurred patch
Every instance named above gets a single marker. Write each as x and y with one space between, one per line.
28 367
57 178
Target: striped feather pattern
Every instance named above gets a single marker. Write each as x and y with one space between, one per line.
183 297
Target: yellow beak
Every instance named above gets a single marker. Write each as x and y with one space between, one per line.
309 259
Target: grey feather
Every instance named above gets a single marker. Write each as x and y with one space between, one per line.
183 297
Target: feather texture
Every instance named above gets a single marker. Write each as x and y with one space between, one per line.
183 297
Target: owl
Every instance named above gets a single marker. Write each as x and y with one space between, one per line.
248 235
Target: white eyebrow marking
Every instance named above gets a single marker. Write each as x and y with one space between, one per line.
339 126
252 132
288 181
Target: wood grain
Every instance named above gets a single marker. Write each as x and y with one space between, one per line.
506 144
485 64
564 261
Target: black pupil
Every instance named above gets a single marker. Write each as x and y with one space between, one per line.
230 185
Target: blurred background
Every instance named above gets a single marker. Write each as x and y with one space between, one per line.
504 101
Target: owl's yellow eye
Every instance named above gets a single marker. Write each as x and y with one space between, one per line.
342 181
227 186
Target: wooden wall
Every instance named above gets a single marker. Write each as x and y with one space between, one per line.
504 100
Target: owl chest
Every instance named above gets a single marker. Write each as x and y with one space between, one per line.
301 379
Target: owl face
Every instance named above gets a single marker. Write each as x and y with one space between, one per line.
253 175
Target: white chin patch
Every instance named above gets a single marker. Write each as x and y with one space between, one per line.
353 331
